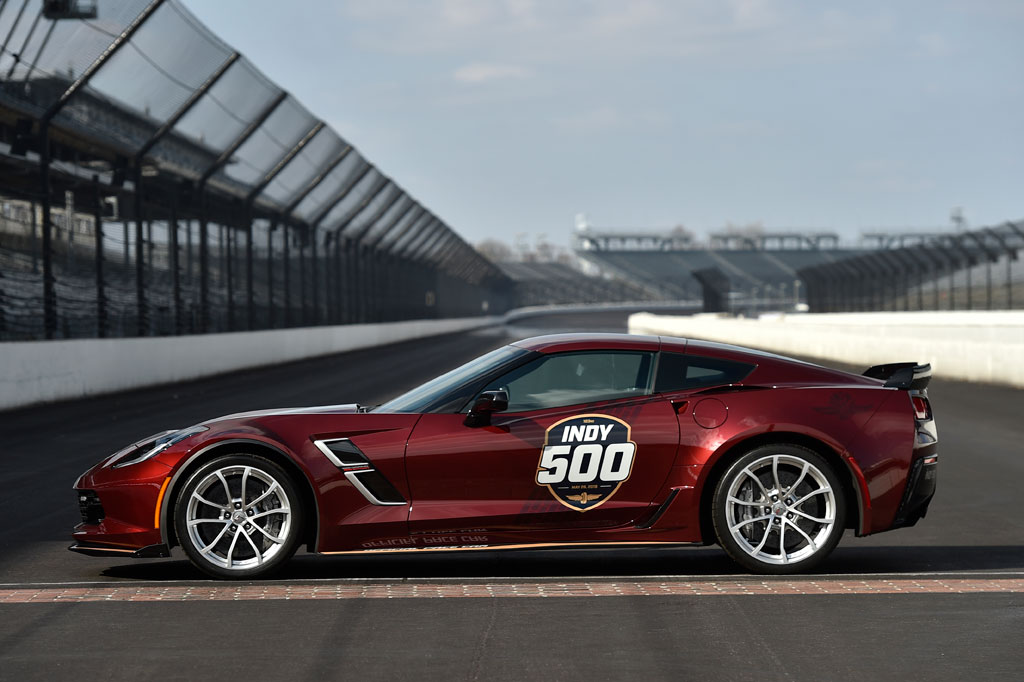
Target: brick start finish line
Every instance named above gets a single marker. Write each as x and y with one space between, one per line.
289 591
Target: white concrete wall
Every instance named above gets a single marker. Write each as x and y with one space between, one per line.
978 346
43 371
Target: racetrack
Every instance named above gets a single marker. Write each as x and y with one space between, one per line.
942 600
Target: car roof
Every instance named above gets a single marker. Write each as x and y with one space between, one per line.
557 343
771 368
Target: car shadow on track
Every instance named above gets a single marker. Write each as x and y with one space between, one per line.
590 563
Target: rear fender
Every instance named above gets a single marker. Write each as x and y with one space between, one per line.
854 481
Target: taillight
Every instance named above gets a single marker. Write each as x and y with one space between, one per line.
922 409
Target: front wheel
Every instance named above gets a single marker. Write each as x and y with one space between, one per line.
779 509
239 516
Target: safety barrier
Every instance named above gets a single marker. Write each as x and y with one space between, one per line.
977 346
43 371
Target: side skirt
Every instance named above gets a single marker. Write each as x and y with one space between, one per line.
537 545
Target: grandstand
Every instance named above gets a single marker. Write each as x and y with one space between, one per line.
760 269
888 270
560 283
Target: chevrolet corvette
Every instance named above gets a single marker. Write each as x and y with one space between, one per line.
566 440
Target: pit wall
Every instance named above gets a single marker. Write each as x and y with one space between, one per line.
981 346
44 371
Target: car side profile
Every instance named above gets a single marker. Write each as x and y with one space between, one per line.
561 440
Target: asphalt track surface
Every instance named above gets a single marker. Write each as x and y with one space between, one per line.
941 601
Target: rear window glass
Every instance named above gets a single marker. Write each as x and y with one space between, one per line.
678 372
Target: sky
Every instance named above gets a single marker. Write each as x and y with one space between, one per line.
510 117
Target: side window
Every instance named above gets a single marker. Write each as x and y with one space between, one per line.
678 372
573 378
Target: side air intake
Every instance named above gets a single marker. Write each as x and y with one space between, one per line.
360 472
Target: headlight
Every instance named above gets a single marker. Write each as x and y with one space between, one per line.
152 446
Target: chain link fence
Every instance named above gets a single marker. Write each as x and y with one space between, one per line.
974 270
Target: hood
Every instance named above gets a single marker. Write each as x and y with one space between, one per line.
349 408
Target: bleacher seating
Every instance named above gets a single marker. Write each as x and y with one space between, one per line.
547 283
749 271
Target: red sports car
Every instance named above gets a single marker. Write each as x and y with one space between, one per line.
564 440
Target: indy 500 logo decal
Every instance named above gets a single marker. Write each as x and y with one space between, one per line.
585 459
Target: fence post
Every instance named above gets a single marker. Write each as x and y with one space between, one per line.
952 273
313 273
270 272
303 314
172 228
250 300
140 259
287 277
229 275
970 291
49 292
336 284
97 217
204 269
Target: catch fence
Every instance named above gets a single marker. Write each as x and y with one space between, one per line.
153 181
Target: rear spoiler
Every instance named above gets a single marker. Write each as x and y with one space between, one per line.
907 376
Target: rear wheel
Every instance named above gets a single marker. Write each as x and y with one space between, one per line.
779 509
239 516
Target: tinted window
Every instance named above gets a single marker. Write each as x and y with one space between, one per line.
453 389
677 372
573 378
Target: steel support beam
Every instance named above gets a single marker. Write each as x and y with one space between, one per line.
282 162
316 180
253 126
399 217
374 190
101 298
418 213
49 290
185 107
268 177
340 195
427 236
373 220
422 226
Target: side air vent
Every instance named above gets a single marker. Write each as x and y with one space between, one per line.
379 488
343 453
360 472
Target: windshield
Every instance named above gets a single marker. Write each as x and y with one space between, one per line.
445 387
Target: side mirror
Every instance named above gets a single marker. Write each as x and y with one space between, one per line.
486 403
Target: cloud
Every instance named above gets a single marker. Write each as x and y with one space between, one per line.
482 72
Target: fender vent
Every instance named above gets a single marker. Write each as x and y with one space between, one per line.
360 472
379 487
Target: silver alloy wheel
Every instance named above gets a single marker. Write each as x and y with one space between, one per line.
780 509
238 517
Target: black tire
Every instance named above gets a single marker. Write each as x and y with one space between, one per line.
230 534
779 509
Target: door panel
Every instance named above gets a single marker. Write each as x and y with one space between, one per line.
486 478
